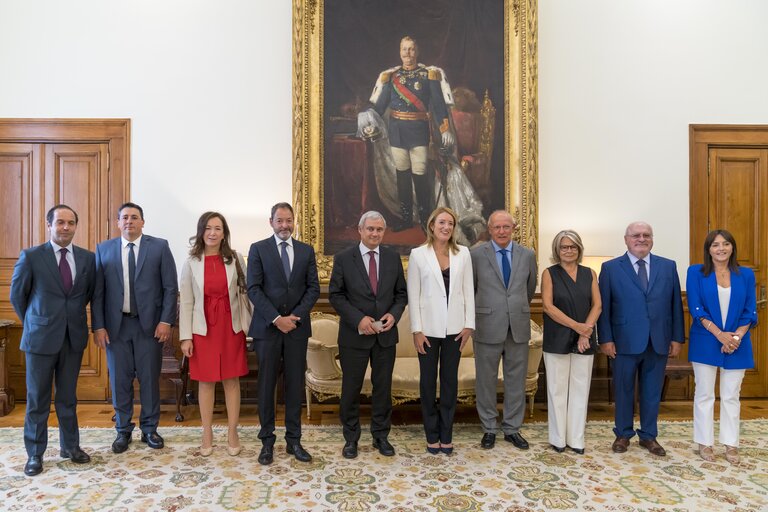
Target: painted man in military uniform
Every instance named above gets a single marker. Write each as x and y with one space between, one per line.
413 93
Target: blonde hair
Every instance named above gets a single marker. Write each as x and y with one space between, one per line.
574 237
452 245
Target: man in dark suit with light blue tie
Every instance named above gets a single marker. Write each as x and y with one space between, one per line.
52 284
133 310
283 286
641 325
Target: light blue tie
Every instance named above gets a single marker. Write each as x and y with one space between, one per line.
506 270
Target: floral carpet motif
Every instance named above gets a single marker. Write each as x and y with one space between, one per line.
504 479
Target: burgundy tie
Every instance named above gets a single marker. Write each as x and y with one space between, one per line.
372 272
65 271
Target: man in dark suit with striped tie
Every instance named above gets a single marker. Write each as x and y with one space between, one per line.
369 293
52 284
283 286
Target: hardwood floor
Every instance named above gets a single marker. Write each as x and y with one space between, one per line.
100 414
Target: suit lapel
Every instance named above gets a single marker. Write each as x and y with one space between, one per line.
146 243
117 256
434 266
298 260
491 255
49 257
629 269
709 285
80 267
357 258
516 257
198 271
655 265
273 250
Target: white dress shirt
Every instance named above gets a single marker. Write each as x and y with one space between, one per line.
126 279
367 259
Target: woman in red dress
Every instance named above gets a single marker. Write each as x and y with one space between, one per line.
211 324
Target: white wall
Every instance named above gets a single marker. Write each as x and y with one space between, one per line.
208 88
619 83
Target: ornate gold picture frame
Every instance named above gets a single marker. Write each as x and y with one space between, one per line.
315 117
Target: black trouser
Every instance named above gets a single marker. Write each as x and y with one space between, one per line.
354 362
293 352
438 418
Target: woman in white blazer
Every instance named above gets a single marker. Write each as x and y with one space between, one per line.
441 301
211 324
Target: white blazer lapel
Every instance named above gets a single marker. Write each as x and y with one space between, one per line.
434 267
198 272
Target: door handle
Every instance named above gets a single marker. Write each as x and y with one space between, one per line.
761 303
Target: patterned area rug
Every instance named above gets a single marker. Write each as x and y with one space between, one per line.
503 479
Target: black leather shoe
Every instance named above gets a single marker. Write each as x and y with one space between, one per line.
153 440
76 455
580 451
517 439
488 441
350 450
557 448
384 447
298 451
122 441
34 465
266 455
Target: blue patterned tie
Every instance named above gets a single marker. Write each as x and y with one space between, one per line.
506 270
286 261
642 273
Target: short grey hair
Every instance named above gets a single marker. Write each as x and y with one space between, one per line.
571 235
372 215
637 223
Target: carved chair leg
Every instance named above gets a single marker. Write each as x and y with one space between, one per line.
309 402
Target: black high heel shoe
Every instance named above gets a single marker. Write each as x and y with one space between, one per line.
434 450
557 448
446 449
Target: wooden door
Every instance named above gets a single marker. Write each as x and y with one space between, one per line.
738 202
81 163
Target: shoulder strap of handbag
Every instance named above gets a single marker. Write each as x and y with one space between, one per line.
240 273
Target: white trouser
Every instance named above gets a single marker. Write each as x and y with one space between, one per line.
414 159
704 405
568 380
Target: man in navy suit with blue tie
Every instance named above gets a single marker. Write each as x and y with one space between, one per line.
283 286
52 284
133 310
641 325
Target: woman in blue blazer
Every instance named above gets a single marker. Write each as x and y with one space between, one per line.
721 300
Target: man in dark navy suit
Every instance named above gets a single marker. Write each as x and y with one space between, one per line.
641 325
283 286
52 284
133 310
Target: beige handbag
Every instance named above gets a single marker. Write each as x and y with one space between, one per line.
246 307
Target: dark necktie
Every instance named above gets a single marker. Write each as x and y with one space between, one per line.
372 272
132 279
285 260
642 273
506 270
65 271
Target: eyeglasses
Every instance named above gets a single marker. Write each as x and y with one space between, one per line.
641 236
566 248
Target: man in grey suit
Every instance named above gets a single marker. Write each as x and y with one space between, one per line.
51 285
505 281
133 310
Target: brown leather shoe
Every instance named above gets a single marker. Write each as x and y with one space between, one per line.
652 446
620 445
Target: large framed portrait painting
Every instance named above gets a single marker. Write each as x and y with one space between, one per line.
401 106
